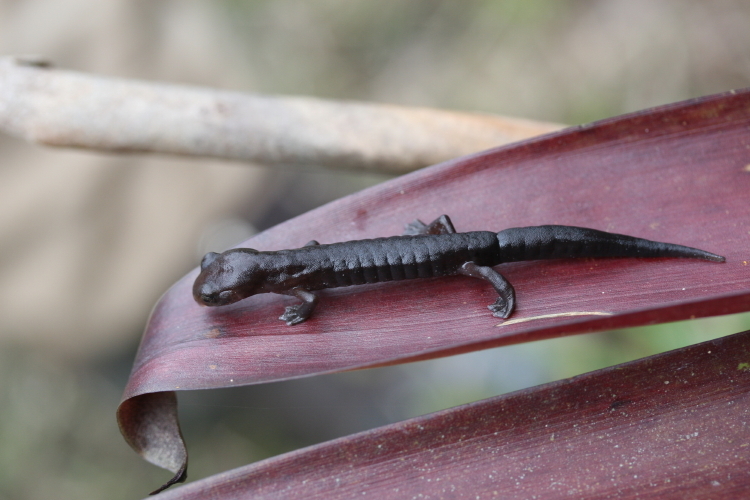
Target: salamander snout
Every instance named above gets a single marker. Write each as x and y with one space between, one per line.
227 277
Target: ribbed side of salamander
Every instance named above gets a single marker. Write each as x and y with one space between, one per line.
556 242
388 259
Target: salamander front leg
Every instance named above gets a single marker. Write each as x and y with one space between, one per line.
503 306
299 313
441 225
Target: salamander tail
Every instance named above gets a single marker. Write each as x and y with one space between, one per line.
556 242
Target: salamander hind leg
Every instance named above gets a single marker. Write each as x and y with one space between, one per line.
299 313
441 225
506 302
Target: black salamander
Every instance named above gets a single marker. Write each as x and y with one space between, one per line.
425 251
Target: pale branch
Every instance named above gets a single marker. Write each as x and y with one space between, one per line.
71 109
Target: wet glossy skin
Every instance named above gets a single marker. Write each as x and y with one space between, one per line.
425 251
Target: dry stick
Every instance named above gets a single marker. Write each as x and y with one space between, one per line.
71 109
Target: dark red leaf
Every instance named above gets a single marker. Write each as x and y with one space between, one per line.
679 173
673 425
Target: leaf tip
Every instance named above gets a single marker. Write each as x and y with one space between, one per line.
179 477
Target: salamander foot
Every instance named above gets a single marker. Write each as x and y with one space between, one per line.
441 225
506 300
292 315
501 308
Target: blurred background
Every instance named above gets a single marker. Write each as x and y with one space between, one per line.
88 242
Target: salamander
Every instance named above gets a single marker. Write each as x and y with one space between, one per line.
424 251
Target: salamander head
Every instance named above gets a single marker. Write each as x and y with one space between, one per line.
227 277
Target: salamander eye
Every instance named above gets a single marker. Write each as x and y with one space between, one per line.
208 259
